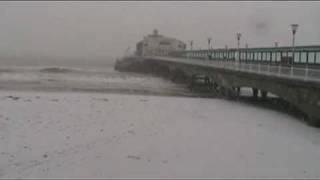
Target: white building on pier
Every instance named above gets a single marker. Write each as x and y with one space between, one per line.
156 45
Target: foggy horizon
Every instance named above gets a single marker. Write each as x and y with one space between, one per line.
98 32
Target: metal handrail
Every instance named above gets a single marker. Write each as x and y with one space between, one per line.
302 54
305 74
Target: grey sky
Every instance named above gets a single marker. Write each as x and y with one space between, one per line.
92 31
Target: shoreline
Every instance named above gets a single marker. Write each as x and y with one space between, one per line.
101 91
273 103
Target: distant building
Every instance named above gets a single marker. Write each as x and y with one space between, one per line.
158 45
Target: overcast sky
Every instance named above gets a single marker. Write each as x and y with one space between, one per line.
89 31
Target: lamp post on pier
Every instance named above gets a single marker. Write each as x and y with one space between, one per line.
238 40
190 54
238 45
209 42
191 44
227 52
294 28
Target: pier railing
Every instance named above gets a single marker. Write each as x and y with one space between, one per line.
277 70
302 62
300 55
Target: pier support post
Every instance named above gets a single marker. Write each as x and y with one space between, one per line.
192 82
238 91
230 93
255 93
263 94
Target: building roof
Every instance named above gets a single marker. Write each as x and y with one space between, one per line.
157 35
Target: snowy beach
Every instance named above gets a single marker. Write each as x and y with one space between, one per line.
90 135
48 130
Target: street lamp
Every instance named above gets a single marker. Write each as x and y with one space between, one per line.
238 38
294 28
209 41
191 44
226 47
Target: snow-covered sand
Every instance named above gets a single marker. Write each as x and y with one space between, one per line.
92 135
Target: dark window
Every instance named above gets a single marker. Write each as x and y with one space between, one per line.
165 43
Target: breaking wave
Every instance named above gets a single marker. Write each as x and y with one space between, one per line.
56 70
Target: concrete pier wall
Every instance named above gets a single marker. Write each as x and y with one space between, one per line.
304 96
